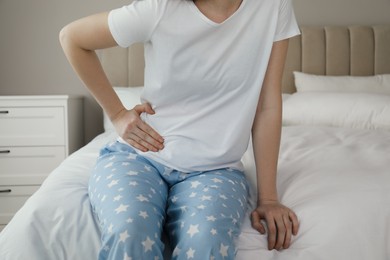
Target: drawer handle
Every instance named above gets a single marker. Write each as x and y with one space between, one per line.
6 191
5 151
4 112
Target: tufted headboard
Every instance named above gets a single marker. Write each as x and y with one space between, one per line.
329 50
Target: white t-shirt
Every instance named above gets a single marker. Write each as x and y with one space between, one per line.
203 79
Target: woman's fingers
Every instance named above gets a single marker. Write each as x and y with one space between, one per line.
150 133
282 223
136 143
272 231
288 225
256 222
280 233
144 139
295 223
136 132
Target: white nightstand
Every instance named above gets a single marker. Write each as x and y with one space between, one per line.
36 134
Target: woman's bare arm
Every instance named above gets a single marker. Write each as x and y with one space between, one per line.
266 134
79 41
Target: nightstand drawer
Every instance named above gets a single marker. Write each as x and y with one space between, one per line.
24 126
21 165
11 200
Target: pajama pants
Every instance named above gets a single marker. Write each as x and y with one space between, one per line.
135 199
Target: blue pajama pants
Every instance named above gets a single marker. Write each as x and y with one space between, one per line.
135 199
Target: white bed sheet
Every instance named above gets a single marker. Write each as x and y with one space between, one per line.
336 179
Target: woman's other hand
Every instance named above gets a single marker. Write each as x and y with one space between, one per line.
281 221
136 132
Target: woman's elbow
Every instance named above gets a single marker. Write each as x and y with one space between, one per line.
65 36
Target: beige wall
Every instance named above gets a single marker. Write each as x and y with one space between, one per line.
31 61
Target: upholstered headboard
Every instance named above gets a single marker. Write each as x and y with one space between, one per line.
353 50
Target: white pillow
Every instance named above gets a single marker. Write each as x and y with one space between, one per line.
379 84
130 97
352 110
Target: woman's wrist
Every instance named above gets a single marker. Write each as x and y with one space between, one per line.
262 199
117 114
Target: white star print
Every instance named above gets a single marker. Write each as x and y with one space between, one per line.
148 243
206 198
111 158
126 257
133 183
113 183
201 206
174 199
123 236
132 173
193 230
213 231
129 220
110 228
176 252
98 178
143 214
192 195
108 165
121 208
125 164
223 250
211 218
195 184
183 208
190 253
116 198
142 198
109 176
216 180
167 171
132 156
223 197
148 168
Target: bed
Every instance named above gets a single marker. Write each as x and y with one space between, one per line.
334 165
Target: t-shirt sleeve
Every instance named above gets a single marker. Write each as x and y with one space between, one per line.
135 22
287 24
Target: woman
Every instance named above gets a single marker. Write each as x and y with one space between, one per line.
212 78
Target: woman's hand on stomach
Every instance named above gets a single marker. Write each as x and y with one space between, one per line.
136 132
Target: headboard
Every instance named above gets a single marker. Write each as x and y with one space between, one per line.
328 50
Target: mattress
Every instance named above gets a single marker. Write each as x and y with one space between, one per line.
337 180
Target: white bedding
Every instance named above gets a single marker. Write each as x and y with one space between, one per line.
336 179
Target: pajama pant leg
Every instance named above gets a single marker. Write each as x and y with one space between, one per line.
204 214
128 197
